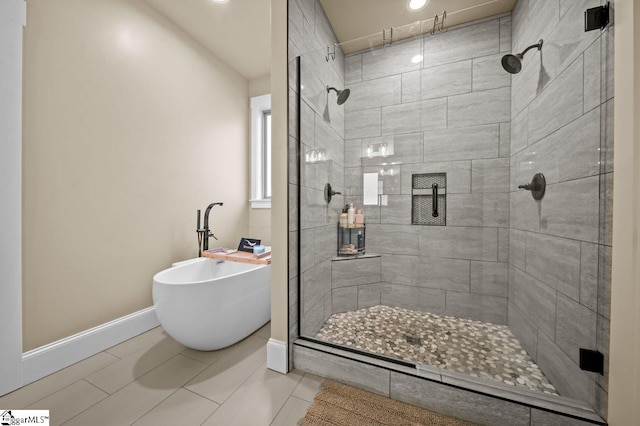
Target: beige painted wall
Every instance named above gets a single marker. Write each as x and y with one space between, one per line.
130 126
624 361
260 86
260 219
280 193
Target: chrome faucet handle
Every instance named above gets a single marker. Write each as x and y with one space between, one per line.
211 235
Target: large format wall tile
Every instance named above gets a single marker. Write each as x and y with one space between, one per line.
578 142
559 104
315 284
432 300
369 295
459 242
589 275
394 59
446 80
490 278
401 296
344 299
555 261
374 93
400 269
464 43
568 40
479 307
404 118
445 274
490 175
353 69
524 329
565 375
575 326
362 124
535 299
570 209
392 239
364 376
457 402
505 139
462 144
487 106
488 72
517 248
478 209
350 272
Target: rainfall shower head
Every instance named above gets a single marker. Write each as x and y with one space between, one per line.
513 63
343 95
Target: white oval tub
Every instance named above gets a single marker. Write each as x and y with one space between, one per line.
206 304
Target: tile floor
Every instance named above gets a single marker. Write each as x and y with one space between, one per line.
480 349
153 380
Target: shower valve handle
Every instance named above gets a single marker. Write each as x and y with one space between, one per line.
537 186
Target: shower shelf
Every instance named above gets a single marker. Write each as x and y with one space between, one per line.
351 240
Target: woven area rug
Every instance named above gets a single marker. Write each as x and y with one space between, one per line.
337 404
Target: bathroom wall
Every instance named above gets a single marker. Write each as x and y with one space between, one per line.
321 128
560 247
130 126
449 112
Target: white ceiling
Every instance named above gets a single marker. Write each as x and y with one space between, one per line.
239 31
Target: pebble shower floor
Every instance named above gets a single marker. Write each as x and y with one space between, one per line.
480 349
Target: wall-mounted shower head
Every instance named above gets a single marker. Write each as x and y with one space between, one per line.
513 63
343 95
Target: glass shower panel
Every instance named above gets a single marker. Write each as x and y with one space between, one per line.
461 270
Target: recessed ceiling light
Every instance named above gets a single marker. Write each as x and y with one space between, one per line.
417 4
417 59
219 1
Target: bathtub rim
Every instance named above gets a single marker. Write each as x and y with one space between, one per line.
186 263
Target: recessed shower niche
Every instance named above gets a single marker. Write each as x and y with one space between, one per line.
467 280
429 199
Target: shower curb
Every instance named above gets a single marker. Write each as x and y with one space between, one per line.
464 397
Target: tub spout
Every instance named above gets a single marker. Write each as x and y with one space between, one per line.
207 231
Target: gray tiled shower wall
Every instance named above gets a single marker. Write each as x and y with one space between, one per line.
559 254
449 113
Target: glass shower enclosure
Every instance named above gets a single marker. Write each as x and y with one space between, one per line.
453 266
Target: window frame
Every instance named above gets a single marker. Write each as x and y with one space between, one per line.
260 107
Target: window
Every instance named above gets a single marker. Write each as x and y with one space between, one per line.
261 152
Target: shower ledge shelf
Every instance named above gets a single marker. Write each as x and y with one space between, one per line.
361 256
240 256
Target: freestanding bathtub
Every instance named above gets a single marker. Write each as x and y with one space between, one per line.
208 304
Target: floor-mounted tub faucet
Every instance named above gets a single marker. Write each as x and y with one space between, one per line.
205 232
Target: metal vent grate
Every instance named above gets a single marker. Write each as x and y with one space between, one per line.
422 213
422 208
425 181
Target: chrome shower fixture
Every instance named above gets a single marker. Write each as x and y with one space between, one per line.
513 63
343 95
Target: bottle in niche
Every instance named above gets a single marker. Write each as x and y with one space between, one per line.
351 215
343 218
359 218
360 240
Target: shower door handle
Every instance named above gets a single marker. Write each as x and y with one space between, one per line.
434 200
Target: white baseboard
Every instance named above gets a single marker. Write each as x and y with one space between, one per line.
277 354
42 361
